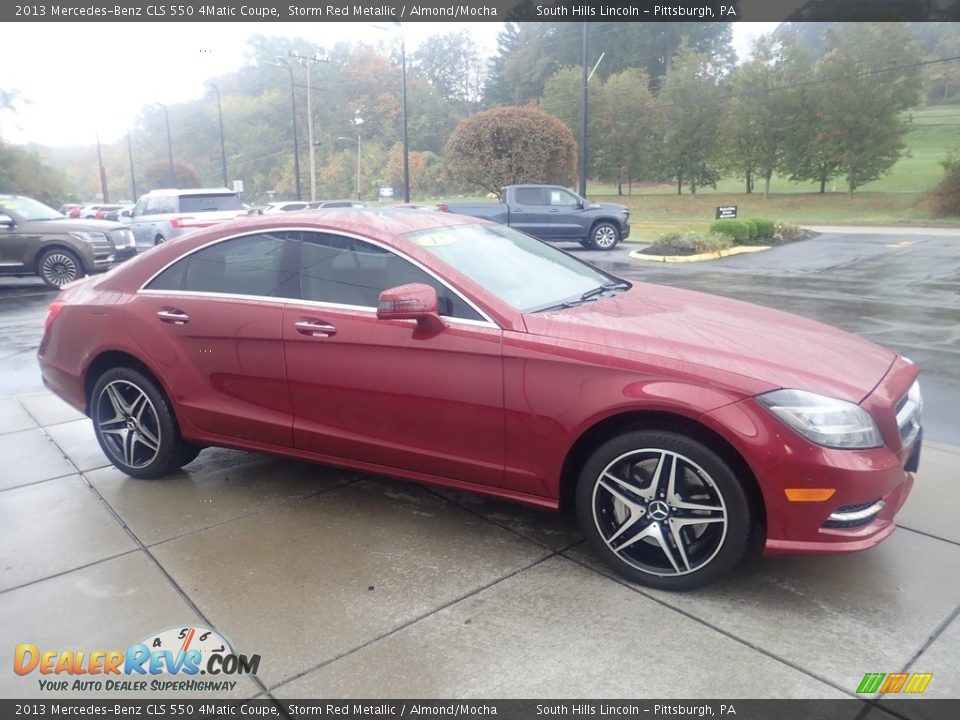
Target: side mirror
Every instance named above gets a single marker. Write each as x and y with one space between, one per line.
7 220
415 301
126 214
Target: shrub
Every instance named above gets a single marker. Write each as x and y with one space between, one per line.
752 228
765 228
945 198
738 230
695 242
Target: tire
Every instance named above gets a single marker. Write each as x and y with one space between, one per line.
58 266
635 503
136 427
604 236
158 239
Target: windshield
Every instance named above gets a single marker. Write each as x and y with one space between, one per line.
523 272
28 209
209 203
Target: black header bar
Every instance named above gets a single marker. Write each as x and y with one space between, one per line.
479 10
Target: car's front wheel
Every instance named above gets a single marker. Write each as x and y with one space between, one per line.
604 236
135 425
663 510
58 266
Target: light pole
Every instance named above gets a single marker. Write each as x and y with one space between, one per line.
166 116
293 108
350 140
133 179
223 149
308 61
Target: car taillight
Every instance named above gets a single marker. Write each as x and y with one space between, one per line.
52 311
181 222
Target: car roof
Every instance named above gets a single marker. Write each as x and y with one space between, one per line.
375 222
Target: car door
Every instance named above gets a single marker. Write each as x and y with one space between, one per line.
530 212
564 215
212 322
378 391
141 222
18 242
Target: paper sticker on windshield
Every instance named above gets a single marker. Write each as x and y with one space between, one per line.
9 204
435 240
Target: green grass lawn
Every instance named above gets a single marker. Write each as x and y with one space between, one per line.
896 198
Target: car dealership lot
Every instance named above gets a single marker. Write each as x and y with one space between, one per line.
350 585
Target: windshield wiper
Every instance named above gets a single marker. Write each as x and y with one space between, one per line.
585 297
608 287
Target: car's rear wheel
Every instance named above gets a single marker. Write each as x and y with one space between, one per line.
158 239
663 510
604 236
135 425
58 266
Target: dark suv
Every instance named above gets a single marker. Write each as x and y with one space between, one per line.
37 240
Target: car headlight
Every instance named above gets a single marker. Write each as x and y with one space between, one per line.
90 237
824 420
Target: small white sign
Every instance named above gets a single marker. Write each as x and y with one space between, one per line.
238 186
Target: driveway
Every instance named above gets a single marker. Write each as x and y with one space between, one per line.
350 585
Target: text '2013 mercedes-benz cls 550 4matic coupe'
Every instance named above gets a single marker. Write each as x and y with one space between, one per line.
680 427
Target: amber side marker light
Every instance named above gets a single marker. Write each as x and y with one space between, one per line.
809 494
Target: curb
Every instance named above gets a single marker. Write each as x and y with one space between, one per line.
716 255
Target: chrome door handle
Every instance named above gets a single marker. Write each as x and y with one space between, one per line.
315 328
174 317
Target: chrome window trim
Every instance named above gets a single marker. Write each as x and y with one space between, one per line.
486 322
293 301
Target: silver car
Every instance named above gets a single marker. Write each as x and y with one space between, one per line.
164 214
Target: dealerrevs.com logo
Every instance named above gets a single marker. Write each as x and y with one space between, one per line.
168 661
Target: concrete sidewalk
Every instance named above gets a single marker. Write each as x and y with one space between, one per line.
350 585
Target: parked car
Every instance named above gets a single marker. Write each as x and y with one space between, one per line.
104 210
327 204
162 215
553 213
67 207
443 349
89 211
115 214
37 240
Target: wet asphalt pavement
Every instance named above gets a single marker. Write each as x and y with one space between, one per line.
900 289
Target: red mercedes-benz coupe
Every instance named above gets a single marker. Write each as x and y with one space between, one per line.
452 351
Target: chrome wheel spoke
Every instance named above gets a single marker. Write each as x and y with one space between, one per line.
677 535
148 439
629 487
129 442
116 402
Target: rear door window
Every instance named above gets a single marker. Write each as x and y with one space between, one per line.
251 265
209 202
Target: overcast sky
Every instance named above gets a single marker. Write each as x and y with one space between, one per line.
75 79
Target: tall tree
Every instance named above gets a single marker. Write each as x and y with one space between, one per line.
760 111
857 102
625 134
687 120
451 64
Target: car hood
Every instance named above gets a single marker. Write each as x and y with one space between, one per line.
773 348
71 225
611 207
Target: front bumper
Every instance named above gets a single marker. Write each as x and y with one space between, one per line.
868 487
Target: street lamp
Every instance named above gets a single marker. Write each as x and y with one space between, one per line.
350 140
223 150
293 108
166 116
